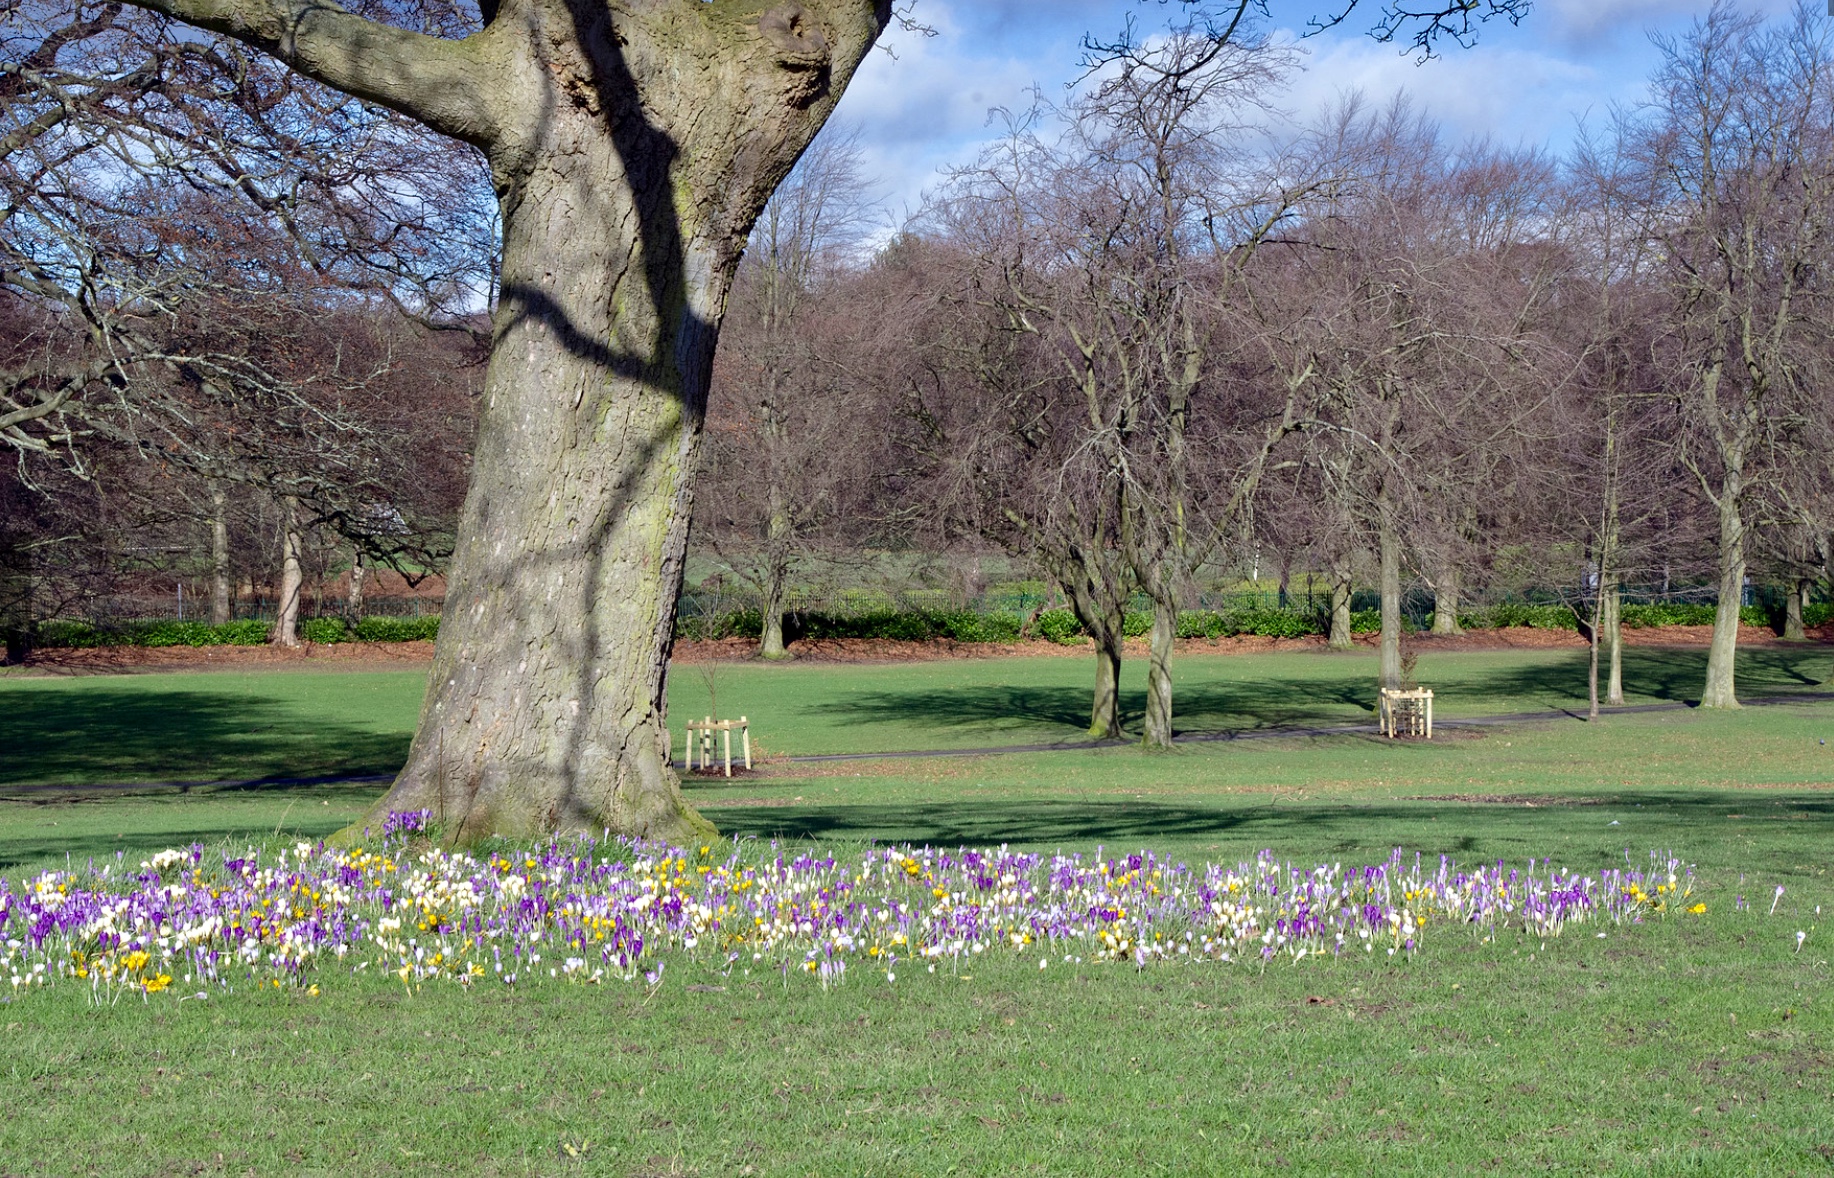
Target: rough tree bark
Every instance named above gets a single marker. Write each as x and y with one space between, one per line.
219 554
1156 731
632 144
1105 709
1614 645
1340 638
1794 601
353 601
1390 545
1721 690
776 571
292 576
1102 616
1445 604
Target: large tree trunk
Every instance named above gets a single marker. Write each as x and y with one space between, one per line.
1102 613
1340 637
1105 709
1612 625
1592 668
1720 690
353 601
1795 598
1157 733
546 706
776 577
1445 604
632 146
1595 638
292 577
1391 605
219 554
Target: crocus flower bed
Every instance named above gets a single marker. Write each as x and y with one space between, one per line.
585 911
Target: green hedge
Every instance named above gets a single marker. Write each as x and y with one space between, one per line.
908 625
424 628
249 632
1059 626
1538 617
1675 613
1264 622
161 633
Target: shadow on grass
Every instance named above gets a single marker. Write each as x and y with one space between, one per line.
1696 825
107 733
44 829
1669 676
1270 702
132 847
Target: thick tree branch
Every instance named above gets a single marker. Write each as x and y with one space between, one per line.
440 82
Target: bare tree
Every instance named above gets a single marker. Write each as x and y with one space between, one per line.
1606 459
1415 291
187 231
1008 409
1736 142
783 439
1182 206
1115 445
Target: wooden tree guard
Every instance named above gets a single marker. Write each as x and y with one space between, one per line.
1405 712
706 728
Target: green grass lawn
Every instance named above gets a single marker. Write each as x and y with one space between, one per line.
1700 1045
204 725
299 723
1687 1048
966 703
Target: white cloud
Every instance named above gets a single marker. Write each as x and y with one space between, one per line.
927 107
1510 94
1587 28
925 104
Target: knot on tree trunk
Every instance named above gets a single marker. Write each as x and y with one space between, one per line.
800 45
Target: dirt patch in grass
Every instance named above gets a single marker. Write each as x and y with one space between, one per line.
718 772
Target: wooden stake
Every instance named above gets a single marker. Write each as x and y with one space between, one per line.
745 739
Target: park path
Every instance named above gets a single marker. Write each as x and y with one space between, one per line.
100 789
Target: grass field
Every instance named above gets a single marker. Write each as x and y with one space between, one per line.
1696 1045
296 723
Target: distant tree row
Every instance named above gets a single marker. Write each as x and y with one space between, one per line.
1134 343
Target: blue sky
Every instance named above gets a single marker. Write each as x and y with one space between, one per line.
927 106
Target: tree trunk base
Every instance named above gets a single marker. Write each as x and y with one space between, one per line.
1156 733
1105 708
461 815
